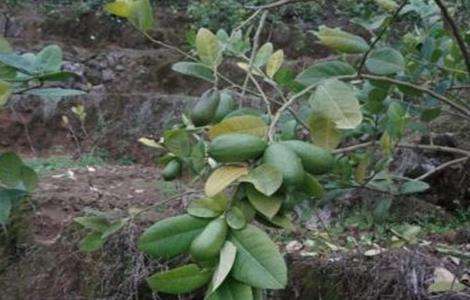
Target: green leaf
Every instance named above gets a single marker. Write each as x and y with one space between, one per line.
323 132
222 178
282 221
10 165
258 262
413 187
266 179
7 198
341 41
235 218
208 207
180 280
396 120
49 59
274 63
232 290
141 15
388 5
4 92
120 8
324 70
385 61
95 223
227 258
267 205
113 228
92 242
56 76
263 55
5 45
5 206
29 178
177 142
194 69
336 100
208 47
312 187
247 124
427 115
54 93
172 236
18 62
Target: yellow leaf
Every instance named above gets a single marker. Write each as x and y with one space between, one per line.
246 67
274 63
208 47
121 9
150 143
253 125
4 92
222 178
324 132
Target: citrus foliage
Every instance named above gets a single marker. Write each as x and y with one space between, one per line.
258 168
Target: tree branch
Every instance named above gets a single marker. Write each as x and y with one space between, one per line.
381 34
277 4
444 99
254 49
442 167
455 33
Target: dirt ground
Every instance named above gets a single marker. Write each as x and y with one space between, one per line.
47 264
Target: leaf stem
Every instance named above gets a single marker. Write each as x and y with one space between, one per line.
255 48
381 34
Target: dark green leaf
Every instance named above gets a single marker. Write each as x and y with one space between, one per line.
266 179
208 207
92 242
324 70
232 290
54 94
267 205
180 280
172 236
235 218
177 142
258 262
385 61
194 69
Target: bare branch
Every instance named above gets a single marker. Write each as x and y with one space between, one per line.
276 4
254 49
442 167
455 33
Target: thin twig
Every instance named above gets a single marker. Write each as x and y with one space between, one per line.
422 89
277 4
255 48
243 24
443 166
176 49
353 148
263 95
435 148
407 145
381 34
455 33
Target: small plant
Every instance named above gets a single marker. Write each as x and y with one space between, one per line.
258 167
17 181
28 74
